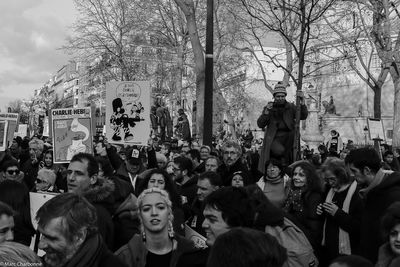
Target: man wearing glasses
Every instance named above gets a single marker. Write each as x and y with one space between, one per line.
231 155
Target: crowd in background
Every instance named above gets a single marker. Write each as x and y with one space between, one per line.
132 206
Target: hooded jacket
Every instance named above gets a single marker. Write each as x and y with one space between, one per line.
101 196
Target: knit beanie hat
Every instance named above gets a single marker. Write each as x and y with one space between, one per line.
279 88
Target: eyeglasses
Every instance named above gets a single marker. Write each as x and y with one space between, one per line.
40 181
332 178
11 172
175 169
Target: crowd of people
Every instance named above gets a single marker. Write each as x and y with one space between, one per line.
134 206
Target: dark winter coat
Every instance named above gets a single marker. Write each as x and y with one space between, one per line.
307 219
376 201
189 189
101 196
30 173
270 122
349 222
386 257
226 172
94 253
134 253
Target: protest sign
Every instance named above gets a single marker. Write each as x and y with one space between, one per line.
198 240
22 131
71 133
376 130
3 135
12 122
128 112
37 199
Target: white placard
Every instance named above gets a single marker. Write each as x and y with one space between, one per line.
128 112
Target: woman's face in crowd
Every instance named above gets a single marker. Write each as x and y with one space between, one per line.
237 181
394 240
156 180
273 171
331 179
154 213
13 173
299 177
42 183
48 160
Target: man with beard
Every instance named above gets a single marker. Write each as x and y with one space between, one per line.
185 181
380 189
67 224
279 118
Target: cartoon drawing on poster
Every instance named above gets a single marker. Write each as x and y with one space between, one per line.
128 112
71 133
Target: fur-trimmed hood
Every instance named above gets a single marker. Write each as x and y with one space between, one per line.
101 192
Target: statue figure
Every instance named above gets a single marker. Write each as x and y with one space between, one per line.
330 107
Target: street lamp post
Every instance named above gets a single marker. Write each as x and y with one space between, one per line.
209 76
365 134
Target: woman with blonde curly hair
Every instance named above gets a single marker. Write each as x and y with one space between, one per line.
157 245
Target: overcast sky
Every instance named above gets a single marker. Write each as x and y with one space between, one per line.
31 33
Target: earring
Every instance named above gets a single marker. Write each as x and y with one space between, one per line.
144 236
171 233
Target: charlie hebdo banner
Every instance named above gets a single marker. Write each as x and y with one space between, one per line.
71 133
128 112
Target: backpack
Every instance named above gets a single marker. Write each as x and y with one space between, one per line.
299 250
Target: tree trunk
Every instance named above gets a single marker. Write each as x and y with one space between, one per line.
377 101
187 8
396 112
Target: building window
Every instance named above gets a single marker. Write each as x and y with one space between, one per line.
76 101
335 66
376 61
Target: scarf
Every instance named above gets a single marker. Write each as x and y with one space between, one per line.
294 200
344 239
88 254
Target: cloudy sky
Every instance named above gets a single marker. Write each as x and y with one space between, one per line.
31 33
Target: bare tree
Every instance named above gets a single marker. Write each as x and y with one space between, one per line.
105 29
188 8
293 21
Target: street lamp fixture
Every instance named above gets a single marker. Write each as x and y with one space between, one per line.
365 134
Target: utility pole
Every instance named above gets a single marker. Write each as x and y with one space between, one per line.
209 76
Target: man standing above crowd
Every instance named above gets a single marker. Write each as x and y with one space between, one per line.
380 189
232 162
279 119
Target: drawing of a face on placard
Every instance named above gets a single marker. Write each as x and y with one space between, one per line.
127 111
